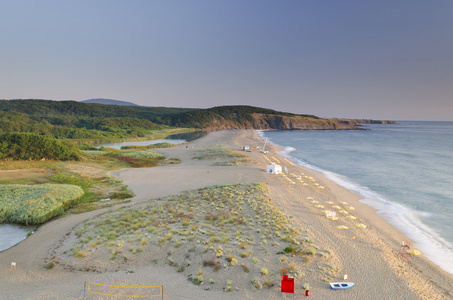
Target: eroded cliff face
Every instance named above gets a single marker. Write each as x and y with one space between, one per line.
278 122
301 123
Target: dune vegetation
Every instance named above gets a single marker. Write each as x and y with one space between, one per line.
221 152
214 236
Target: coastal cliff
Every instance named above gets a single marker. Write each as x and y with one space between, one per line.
281 122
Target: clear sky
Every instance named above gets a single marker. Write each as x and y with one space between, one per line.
385 59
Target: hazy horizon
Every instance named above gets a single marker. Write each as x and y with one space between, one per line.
345 59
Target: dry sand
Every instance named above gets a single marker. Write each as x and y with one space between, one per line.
369 256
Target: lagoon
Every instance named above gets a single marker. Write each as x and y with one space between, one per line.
11 234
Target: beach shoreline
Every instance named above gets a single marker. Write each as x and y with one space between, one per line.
391 235
369 256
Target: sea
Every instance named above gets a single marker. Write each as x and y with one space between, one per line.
404 171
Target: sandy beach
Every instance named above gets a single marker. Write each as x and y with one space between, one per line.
368 256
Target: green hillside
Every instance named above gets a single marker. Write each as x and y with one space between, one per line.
77 120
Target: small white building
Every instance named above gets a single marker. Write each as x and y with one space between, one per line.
274 169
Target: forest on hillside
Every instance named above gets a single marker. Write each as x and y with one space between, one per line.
76 120
72 120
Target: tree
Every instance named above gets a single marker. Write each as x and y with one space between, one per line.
23 146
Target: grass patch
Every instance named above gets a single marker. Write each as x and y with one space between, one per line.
50 265
31 176
219 152
152 146
35 204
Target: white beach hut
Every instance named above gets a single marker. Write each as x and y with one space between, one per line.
274 169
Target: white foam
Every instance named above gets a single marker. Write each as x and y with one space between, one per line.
260 133
406 220
403 218
286 151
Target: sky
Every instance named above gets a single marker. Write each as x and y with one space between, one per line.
386 59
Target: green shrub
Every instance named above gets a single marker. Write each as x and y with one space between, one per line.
50 265
24 146
245 268
197 279
289 249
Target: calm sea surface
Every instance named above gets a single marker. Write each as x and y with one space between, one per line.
405 171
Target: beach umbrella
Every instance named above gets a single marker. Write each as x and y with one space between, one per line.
308 198
332 218
342 227
319 206
314 201
320 187
350 208
360 225
344 203
329 202
351 217
336 206
343 212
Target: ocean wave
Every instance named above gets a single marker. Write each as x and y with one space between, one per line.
286 151
403 218
260 133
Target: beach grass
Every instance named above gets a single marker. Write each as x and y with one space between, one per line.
220 152
89 175
35 204
223 223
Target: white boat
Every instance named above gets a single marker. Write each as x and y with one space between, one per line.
341 285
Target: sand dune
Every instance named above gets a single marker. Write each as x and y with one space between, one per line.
368 256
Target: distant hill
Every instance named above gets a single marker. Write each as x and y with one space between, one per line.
109 102
74 119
